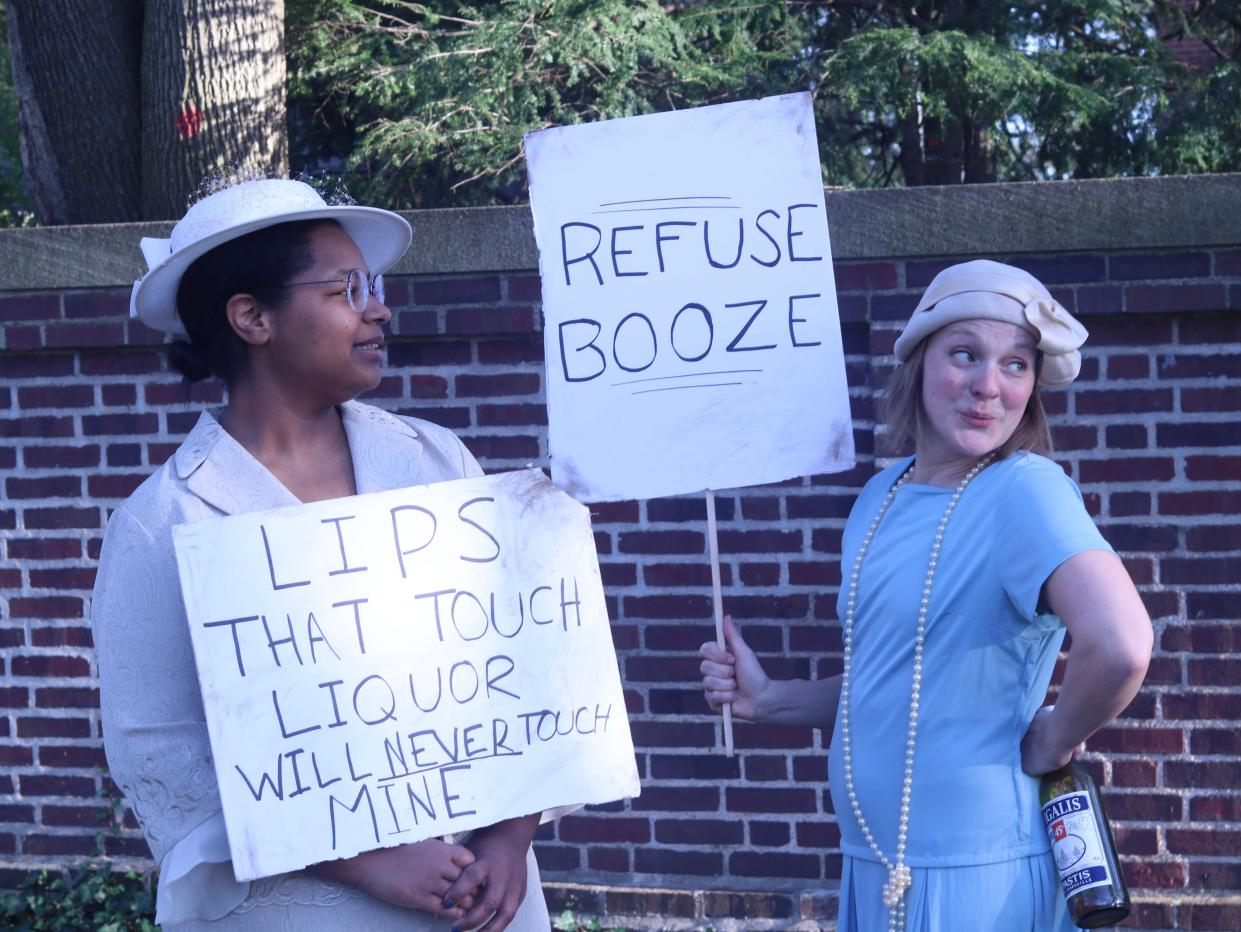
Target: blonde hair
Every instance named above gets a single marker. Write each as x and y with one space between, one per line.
905 418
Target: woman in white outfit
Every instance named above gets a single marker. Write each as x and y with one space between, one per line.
278 294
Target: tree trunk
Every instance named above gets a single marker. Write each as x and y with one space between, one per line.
950 156
979 153
944 151
213 95
75 71
952 153
912 157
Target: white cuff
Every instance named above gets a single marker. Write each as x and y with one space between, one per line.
196 877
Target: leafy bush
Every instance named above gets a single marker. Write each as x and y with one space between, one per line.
16 207
90 897
569 921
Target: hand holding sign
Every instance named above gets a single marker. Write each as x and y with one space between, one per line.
397 666
692 336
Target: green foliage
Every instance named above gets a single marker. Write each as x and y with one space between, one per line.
430 100
435 98
16 207
570 921
1200 122
980 91
91 897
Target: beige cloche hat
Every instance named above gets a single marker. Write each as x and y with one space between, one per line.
993 290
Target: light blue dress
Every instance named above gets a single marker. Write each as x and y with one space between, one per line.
976 845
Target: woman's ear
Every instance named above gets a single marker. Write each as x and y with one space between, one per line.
248 319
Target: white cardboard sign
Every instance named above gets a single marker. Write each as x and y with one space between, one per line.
390 667
691 328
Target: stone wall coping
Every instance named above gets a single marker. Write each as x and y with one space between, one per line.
954 220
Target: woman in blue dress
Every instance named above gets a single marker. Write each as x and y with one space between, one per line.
964 565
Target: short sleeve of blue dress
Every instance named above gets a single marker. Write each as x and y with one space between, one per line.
1048 524
987 660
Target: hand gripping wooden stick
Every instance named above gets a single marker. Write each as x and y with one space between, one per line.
714 547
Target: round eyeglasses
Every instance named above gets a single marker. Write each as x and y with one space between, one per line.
358 288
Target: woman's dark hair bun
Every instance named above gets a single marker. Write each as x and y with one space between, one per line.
189 360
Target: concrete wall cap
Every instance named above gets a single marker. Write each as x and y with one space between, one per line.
955 220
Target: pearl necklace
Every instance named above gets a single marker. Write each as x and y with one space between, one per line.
899 876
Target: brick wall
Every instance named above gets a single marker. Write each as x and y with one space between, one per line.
1151 431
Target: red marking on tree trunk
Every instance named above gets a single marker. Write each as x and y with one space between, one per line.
189 122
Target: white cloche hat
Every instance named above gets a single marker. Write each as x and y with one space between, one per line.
380 235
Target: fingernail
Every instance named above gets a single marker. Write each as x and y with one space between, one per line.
448 905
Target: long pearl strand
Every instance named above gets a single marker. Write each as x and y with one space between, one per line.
899 876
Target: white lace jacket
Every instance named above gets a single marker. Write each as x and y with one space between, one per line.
154 729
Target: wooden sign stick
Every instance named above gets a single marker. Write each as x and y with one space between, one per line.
714 547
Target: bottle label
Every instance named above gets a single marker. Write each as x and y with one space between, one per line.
1076 844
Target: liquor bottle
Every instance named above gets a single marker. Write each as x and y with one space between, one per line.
1082 846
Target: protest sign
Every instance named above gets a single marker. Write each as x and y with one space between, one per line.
691 328
390 667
